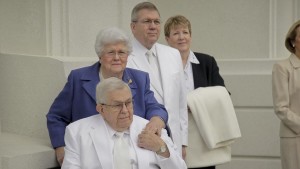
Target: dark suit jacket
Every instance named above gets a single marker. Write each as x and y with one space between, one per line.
207 72
77 100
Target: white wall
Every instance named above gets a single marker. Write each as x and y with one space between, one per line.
28 87
228 29
22 28
234 29
246 37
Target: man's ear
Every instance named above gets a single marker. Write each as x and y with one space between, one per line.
99 108
132 26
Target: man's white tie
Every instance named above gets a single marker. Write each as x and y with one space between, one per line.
152 62
121 152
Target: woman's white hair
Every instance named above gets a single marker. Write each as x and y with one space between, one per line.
111 36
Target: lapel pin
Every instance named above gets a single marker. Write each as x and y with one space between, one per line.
130 81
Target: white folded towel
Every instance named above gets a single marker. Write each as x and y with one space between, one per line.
214 114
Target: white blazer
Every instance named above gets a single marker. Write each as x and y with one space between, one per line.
174 92
89 146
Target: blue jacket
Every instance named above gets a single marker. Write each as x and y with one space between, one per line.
77 100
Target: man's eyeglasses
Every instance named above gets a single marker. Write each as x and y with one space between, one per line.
149 21
119 107
121 53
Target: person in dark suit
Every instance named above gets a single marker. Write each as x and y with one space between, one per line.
77 99
201 70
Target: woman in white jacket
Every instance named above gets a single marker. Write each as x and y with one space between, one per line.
286 98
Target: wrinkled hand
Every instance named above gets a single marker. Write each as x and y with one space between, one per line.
155 125
150 141
60 153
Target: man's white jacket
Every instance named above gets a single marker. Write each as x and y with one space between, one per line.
173 94
89 146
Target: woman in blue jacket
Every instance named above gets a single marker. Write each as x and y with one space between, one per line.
77 98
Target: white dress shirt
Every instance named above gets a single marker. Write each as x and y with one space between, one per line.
188 72
133 157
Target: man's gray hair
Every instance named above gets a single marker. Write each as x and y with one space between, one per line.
141 6
104 87
111 36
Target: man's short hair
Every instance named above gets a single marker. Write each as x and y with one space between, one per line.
105 86
141 6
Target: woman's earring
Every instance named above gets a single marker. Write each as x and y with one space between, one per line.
293 45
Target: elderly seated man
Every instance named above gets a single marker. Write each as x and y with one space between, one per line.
115 138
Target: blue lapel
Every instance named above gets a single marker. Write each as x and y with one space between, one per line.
128 78
90 79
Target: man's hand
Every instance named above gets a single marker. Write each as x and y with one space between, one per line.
152 142
155 125
60 153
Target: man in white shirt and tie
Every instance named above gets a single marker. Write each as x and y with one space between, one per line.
166 70
115 138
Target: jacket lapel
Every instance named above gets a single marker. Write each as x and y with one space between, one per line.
164 69
90 79
139 61
142 159
128 78
102 143
197 76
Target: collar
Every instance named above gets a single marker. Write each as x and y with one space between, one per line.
112 132
100 75
154 51
92 73
192 58
142 48
295 61
126 76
